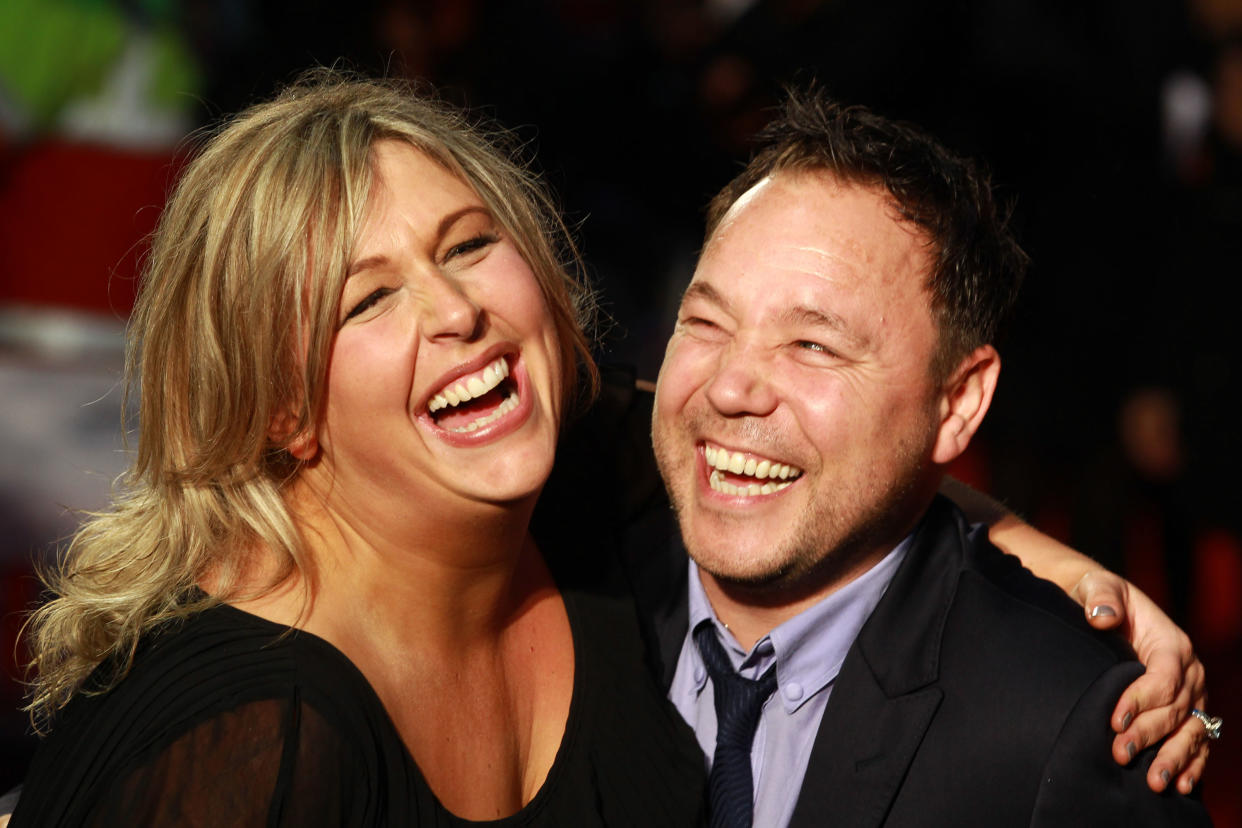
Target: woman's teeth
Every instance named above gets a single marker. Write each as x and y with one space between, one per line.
467 388
778 475
504 408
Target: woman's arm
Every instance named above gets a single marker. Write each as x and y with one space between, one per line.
1157 704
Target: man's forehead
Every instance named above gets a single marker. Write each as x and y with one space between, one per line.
809 222
825 202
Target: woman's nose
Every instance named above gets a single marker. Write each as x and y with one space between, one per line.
451 312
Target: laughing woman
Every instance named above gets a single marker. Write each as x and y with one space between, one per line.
319 602
319 599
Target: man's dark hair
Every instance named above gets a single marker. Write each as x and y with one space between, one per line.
977 266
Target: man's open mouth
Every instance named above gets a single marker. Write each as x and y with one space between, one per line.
746 475
476 400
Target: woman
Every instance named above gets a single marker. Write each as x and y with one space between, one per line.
356 347
319 601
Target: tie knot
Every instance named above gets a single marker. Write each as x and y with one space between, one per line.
743 696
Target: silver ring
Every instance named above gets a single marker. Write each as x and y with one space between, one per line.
1210 723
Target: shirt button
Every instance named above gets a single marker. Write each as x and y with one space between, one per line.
792 691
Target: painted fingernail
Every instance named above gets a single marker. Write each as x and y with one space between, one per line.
1125 721
1103 610
1130 749
1164 774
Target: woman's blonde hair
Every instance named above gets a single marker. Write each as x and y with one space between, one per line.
233 326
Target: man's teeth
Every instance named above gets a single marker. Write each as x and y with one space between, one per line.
468 388
738 463
717 482
778 475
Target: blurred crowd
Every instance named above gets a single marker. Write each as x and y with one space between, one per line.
1114 127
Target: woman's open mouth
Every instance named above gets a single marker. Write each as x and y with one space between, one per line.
475 400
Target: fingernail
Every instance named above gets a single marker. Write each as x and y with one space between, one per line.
1125 721
1103 610
1164 774
1130 750
1190 784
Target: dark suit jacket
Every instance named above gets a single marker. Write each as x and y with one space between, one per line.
975 695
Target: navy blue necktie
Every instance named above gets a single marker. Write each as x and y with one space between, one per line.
738 703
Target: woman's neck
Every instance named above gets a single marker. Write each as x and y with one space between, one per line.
451 571
460 630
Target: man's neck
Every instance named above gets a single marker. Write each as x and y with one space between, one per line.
751 612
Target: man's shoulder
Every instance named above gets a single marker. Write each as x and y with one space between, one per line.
1020 662
1008 670
987 632
1010 605
1017 658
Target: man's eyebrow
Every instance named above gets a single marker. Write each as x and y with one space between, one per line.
799 315
442 228
802 315
706 293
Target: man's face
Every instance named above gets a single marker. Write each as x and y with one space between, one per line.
795 411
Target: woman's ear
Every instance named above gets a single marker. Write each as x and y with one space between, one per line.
303 444
965 399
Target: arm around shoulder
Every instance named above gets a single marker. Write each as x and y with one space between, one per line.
1083 785
1158 704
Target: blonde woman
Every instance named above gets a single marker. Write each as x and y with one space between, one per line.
319 599
318 602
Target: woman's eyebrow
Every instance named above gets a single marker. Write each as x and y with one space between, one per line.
442 228
455 216
366 264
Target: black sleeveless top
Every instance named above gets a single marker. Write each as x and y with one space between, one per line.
225 721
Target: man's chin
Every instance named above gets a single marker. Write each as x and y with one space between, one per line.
735 568
773 586
750 580
790 575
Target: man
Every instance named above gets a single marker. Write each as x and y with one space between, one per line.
832 354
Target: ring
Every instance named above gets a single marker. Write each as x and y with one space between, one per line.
1210 723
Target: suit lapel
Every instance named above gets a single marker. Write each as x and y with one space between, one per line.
861 754
887 692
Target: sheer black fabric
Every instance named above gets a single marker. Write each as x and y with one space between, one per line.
223 722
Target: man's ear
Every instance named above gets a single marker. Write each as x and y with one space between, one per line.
303 445
965 398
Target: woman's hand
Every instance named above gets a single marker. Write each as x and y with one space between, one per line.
1159 702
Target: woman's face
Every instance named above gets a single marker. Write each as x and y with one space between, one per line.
444 380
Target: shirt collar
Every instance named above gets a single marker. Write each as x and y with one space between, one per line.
809 648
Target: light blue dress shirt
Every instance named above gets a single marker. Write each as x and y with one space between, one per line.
808 651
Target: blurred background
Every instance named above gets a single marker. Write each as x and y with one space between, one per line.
1116 127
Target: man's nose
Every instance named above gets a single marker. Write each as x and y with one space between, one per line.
743 384
451 312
